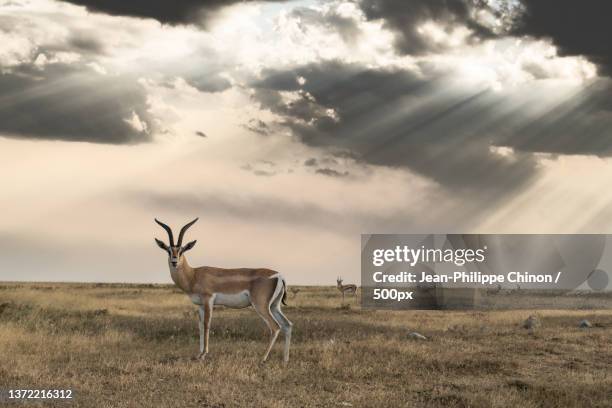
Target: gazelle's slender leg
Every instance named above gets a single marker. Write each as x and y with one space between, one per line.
272 341
272 324
205 317
285 327
202 315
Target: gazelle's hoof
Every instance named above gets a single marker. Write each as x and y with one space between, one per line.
200 356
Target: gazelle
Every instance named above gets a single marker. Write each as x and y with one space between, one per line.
350 288
206 286
295 291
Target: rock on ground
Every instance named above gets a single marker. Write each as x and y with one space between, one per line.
418 336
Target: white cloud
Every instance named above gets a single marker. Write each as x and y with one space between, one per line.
137 123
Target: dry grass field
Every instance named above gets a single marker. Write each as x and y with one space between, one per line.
132 346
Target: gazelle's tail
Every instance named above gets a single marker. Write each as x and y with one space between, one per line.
284 292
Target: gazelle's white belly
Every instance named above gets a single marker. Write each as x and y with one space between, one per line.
234 300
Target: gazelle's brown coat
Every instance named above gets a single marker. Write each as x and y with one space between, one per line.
206 286
350 288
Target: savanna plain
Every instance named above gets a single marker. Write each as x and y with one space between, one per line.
120 345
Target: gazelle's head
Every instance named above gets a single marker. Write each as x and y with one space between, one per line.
175 251
339 281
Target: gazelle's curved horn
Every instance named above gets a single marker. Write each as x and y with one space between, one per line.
183 230
168 230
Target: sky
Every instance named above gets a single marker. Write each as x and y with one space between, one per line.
291 127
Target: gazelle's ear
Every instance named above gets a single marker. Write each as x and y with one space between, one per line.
188 246
161 244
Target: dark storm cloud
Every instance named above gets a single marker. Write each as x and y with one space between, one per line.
580 123
85 44
264 173
257 126
166 12
212 82
326 171
346 27
404 18
394 117
397 118
72 103
209 81
575 27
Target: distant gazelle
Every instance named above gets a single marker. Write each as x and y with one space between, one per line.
295 291
350 288
206 286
